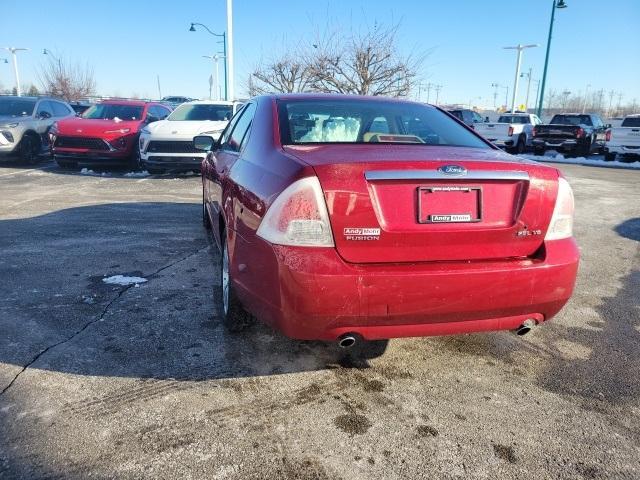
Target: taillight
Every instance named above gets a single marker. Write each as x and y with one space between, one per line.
298 217
580 132
561 225
510 133
534 132
607 136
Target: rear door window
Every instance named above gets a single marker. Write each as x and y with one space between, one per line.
60 109
240 131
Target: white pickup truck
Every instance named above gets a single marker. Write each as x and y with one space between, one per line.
623 140
512 131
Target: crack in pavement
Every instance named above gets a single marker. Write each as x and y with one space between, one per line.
97 319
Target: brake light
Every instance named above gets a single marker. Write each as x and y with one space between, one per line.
561 225
534 132
607 136
510 133
580 132
298 217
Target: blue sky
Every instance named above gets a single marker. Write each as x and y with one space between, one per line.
129 42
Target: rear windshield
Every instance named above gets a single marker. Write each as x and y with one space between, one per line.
201 112
513 119
631 122
571 120
370 121
107 111
16 107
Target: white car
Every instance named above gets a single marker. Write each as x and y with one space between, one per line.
623 140
512 131
168 144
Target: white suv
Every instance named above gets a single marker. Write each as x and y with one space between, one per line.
25 124
168 144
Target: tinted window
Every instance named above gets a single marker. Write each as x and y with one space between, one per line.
355 121
16 107
240 130
45 106
571 120
60 109
513 119
201 112
108 111
457 114
631 122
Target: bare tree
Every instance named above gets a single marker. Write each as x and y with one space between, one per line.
366 63
68 81
287 74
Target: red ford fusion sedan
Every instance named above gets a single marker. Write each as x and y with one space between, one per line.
365 218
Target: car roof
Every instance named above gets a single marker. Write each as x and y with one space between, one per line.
339 96
28 97
137 103
210 102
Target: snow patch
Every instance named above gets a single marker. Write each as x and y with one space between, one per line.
593 162
141 174
123 280
86 171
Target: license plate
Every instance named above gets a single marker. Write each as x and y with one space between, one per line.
449 204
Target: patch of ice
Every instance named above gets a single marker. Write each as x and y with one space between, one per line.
141 174
124 281
86 171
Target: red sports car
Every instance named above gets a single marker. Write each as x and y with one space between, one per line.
106 133
348 218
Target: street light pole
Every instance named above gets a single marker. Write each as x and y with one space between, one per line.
215 59
227 93
46 51
519 48
556 4
528 74
586 92
229 52
16 74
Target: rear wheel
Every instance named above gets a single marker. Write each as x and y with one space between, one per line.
609 157
234 317
585 151
29 148
520 145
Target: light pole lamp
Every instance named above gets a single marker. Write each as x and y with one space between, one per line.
519 48
227 92
16 74
46 51
556 4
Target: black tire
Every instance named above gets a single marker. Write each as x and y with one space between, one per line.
135 161
520 146
609 157
538 152
29 149
206 221
234 317
67 165
585 151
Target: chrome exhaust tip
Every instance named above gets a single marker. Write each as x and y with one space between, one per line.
526 327
347 341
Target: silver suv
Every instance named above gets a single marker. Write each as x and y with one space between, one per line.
25 124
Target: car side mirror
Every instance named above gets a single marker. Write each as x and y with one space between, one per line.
486 119
44 115
204 143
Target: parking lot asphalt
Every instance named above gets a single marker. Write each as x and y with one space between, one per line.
108 381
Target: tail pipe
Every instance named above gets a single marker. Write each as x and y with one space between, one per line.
349 340
526 327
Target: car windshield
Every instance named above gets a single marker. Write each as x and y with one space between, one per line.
109 111
631 122
370 121
513 119
571 120
201 112
16 107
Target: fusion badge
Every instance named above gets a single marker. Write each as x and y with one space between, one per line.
361 233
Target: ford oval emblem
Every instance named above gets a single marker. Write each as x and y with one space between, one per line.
453 170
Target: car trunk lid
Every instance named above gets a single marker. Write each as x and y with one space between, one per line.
393 204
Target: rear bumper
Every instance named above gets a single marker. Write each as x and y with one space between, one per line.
314 294
498 142
560 144
623 149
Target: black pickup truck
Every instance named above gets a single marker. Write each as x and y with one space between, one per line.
570 133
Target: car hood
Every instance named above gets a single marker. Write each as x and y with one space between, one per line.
85 126
169 128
